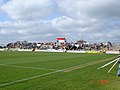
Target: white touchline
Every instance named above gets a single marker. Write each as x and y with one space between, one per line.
26 67
34 77
26 79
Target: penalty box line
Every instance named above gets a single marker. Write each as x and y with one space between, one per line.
6 65
63 70
37 61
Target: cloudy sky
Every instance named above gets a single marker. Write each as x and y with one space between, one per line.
45 20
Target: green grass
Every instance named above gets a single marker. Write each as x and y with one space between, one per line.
87 78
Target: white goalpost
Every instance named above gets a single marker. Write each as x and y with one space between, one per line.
116 61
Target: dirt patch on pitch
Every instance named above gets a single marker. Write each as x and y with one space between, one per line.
87 64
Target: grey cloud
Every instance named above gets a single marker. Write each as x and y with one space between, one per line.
92 20
24 30
28 9
85 9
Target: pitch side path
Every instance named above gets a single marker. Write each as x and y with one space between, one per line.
43 71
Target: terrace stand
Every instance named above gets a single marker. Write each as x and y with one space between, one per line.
116 61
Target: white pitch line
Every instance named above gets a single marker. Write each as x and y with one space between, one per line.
26 79
38 61
34 77
26 67
87 64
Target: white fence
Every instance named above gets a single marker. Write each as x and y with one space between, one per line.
60 50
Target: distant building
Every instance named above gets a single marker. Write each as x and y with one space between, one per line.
81 42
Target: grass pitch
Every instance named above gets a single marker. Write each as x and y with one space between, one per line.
47 71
